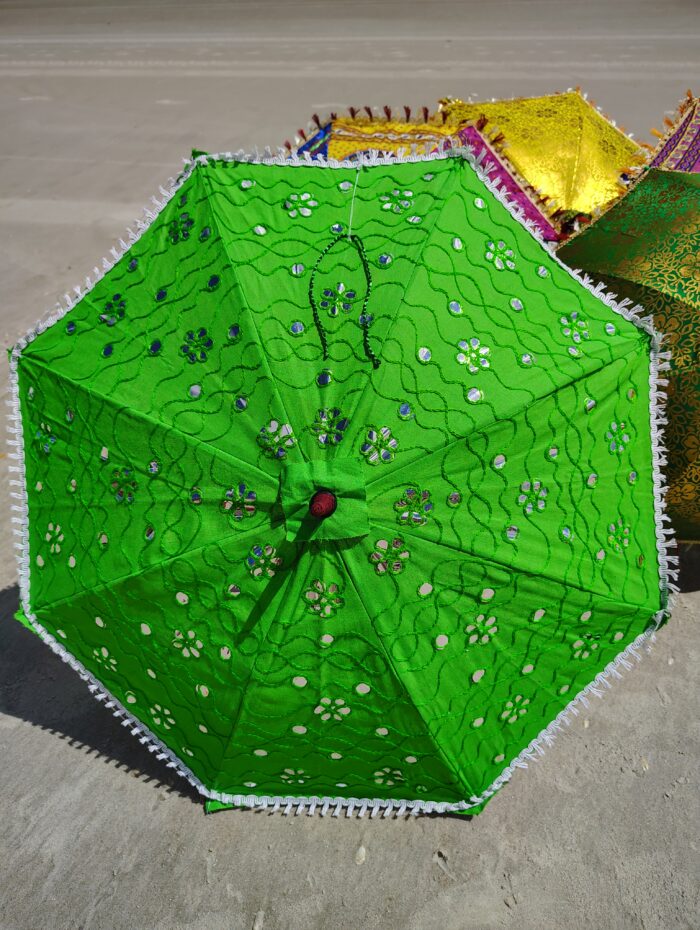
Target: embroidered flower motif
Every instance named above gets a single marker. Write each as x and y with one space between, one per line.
389 556
323 599
45 438
162 716
337 299
196 345
575 329
124 485
179 228
618 439
619 536
239 502
533 496
584 647
414 508
473 355
388 776
54 537
329 426
380 446
114 310
500 255
332 708
275 439
515 708
188 643
103 658
293 776
300 204
397 201
263 561
481 630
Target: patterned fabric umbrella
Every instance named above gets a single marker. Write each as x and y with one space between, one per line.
647 249
561 144
338 487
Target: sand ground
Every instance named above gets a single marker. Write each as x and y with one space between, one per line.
98 102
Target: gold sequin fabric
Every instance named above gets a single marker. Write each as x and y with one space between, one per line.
647 248
561 144
350 136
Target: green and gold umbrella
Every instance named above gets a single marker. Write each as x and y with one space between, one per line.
338 487
647 249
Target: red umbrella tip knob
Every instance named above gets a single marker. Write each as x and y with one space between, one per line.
322 504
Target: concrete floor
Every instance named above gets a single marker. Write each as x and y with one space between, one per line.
98 102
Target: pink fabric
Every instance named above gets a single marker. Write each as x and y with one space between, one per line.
473 138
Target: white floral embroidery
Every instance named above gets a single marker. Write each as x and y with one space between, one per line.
103 658
293 776
334 708
162 717
481 630
300 204
188 643
473 355
515 708
388 776
54 536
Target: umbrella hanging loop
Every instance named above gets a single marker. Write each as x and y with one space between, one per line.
365 320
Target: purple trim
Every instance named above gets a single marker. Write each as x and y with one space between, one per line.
688 158
500 174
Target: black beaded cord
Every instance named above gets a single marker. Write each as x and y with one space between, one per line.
364 324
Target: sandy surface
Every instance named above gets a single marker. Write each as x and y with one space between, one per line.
98 103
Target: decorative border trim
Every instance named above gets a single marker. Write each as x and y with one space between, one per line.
379 114
659 363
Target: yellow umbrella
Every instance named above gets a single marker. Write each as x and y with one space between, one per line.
561 144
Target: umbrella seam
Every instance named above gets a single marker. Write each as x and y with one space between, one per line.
249 316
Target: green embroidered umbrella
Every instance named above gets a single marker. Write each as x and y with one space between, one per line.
338 487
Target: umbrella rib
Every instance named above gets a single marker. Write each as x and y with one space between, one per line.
141 415
248 313
504 565
450 766
449 178
157 565
424 454
280 592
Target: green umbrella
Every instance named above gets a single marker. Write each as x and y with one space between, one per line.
338 487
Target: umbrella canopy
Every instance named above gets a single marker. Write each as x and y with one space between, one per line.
338 487
679 149
647 248
561 144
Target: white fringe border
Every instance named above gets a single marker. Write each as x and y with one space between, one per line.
20 512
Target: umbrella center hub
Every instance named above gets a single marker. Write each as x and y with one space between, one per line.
323 504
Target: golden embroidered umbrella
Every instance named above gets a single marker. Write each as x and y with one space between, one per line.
561 144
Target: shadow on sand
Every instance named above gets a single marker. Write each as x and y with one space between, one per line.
36 686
